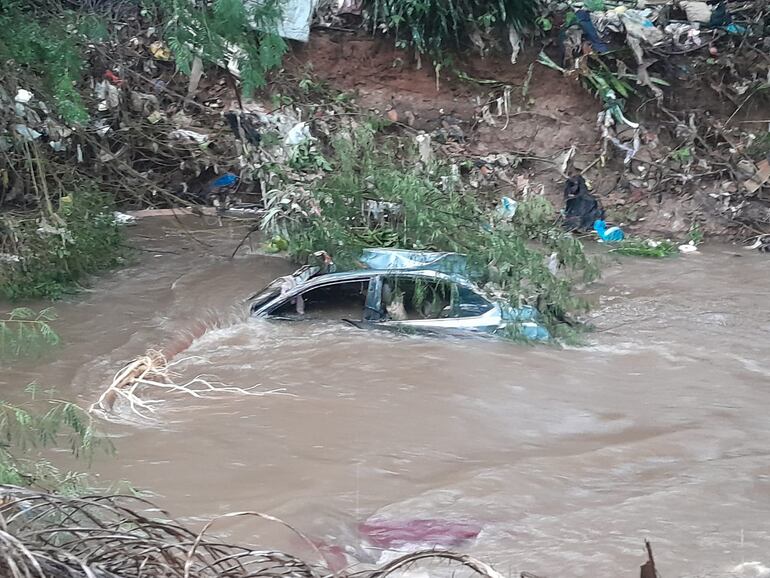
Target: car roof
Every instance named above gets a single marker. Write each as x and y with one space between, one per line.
369 273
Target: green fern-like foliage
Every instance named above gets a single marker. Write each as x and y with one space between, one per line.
23 332
24 432
49 46
223 31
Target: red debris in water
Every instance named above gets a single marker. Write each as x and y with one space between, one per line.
393 534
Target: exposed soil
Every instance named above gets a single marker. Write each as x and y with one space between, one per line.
556 114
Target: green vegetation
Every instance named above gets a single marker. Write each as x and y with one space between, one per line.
25 431
43 422
243 33
436 213
645 248
56 252
435 26
24 332
49 48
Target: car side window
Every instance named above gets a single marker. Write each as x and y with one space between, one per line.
343 300
409 298
467 303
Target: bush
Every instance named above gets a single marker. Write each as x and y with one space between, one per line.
437 214
58 252
434 26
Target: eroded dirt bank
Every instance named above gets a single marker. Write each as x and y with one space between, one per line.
546 113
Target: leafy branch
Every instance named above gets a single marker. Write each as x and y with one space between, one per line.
243 34
24 332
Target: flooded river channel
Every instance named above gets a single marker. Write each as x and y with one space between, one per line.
564 459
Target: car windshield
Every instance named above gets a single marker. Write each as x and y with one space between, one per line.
467 303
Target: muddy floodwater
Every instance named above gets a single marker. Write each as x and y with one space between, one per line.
564 459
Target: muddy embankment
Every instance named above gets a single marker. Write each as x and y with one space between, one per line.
538 115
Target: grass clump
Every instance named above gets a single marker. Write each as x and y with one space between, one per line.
435 26
53 254
645 248
435 213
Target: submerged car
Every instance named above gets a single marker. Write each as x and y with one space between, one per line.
399 290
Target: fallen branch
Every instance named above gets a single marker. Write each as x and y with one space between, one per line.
152 370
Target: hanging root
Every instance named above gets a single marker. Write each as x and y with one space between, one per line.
153 371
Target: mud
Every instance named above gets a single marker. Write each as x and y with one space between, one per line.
555 461
555 114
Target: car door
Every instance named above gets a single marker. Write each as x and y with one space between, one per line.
435 304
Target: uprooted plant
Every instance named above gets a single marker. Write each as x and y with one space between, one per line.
152 371
516 257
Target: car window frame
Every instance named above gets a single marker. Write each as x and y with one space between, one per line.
455 285
320 284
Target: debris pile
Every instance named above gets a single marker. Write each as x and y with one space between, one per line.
684 86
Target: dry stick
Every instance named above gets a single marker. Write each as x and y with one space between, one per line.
647 569
476 565
189 562
740 106
153 370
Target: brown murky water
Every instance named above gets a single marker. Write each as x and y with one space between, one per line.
566 459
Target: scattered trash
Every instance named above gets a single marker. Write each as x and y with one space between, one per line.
696 11
108 95
124 218
424 149
113 78
515 40
581 209
553 263
244 127
298 134
155 117
23 96
759 177
378 213
506 210
296 16
589 30
226 180
608 235
9 258
28 134
761 244
160 51
690 247
189 136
